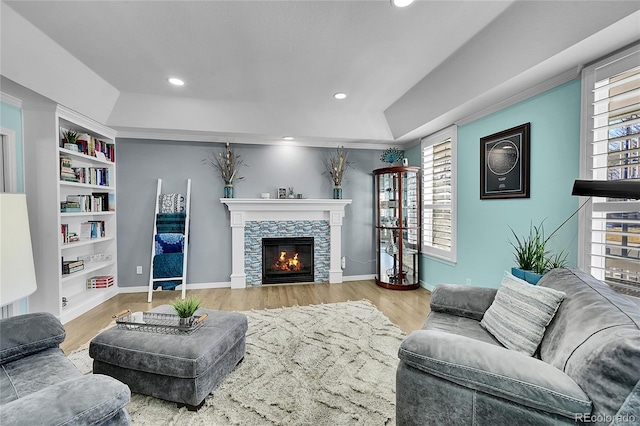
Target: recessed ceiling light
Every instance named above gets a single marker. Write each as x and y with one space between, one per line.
340 95
288 138
175 81
401 3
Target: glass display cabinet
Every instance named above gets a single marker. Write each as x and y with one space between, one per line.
397 227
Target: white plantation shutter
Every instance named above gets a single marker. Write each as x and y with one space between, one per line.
612 252
439 194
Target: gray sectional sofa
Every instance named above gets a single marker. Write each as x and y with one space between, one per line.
40 386
585 371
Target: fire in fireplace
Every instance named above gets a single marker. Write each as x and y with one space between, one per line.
287 260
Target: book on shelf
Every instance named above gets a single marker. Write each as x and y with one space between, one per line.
111 203
99 227
96 202
100 176
79 200
103 198
66 170
66 161
67 236
90 145
69 207
92 229
102 281
71 266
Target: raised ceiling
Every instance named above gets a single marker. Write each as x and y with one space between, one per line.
256 71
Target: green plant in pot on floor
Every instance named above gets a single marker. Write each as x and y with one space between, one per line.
186 308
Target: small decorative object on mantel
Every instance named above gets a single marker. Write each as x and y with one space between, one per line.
391 155
337 169
227 164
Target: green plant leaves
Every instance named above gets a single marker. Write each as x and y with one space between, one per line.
186 307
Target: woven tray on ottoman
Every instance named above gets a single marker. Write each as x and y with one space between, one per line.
180 368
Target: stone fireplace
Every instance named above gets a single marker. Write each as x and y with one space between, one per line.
253 220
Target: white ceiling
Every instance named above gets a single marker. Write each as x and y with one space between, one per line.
259 70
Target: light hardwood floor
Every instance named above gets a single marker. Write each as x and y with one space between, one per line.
407 309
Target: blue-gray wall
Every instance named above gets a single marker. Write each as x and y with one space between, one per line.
141 162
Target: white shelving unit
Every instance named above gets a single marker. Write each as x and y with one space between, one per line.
45 192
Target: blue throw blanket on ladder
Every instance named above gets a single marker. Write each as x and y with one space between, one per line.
168 265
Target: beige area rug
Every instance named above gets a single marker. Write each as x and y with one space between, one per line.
330 364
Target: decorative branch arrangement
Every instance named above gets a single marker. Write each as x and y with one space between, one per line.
337 166
227 164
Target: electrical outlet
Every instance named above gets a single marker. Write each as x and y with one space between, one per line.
139 270
344 262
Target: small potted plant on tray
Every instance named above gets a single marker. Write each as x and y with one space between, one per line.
186 308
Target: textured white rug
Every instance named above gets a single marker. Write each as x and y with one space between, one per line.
330 364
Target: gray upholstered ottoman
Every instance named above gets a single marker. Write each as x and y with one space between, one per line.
179 368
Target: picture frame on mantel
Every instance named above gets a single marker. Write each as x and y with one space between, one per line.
505 165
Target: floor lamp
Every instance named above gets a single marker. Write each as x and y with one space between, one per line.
17 272
607 188
601 188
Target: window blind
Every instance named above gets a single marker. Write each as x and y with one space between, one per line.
615 154
438 196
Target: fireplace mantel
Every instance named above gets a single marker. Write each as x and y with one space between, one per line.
291 209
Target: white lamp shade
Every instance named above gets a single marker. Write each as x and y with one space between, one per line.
17 272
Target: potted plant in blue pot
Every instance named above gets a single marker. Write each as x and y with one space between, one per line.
540 256
531 255
524 254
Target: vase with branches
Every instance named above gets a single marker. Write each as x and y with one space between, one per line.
337 166
227 163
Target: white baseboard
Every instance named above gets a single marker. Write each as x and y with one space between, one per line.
203 286
427 286
358 277
196 286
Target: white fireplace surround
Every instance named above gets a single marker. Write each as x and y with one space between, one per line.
257 209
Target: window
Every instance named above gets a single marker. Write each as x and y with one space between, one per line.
610 228
439 194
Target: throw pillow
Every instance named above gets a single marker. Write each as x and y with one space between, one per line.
520 313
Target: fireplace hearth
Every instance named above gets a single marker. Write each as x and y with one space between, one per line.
287 260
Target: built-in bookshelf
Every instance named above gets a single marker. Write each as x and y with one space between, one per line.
71 190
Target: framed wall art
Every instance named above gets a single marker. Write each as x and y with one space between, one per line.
504 163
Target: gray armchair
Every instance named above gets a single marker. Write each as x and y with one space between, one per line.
585 371
40 386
